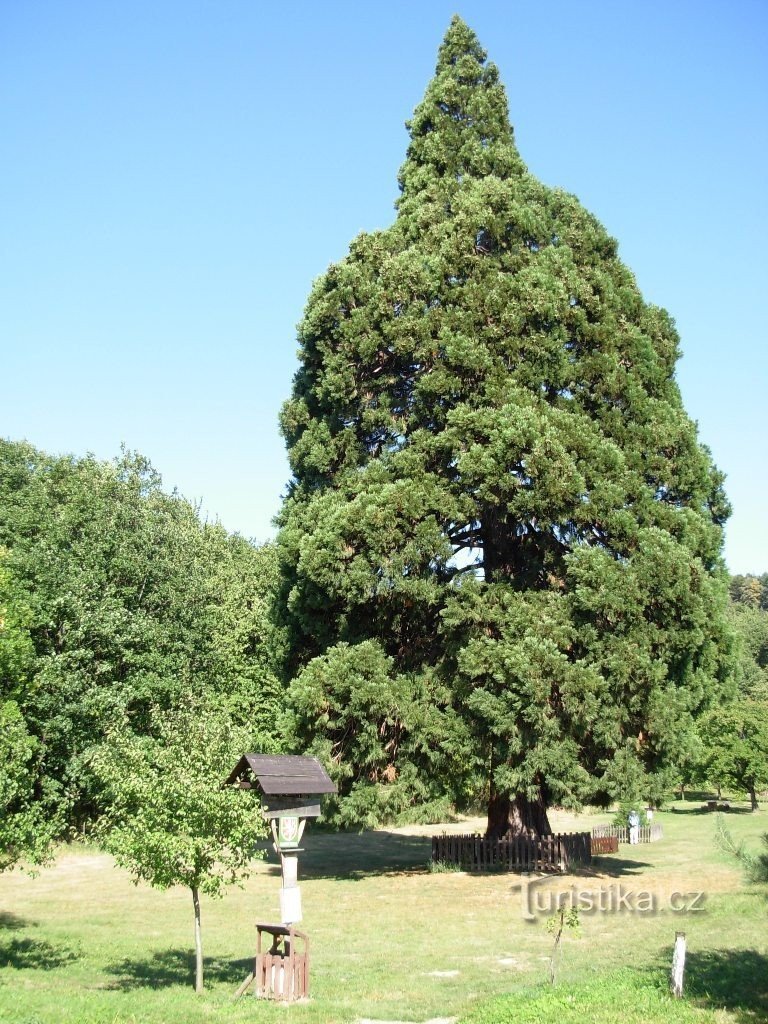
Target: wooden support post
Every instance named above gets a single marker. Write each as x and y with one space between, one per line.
245 986
678 966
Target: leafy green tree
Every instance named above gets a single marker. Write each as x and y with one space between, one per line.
170 821
132 602
244 646
734 736
750 625
499 508
736 746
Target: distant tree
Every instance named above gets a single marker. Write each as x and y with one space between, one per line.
735 738
734 735
748 590
502 540
170 821
750 624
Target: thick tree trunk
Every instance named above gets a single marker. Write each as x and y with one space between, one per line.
753 798
517 816
198 944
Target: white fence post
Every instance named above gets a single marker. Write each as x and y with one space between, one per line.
678 966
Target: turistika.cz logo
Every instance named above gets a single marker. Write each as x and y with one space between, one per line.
538 900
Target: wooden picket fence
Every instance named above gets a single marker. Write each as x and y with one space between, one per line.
647 833
477 853
604 844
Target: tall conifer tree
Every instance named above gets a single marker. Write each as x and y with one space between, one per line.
501 544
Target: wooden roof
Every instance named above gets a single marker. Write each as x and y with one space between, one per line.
283 774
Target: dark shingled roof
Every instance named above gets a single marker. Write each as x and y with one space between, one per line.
283 774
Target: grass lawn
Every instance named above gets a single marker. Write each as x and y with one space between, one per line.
391 940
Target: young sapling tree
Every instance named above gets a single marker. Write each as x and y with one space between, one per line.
169 819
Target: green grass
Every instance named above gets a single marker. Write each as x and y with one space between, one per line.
391 940
624 995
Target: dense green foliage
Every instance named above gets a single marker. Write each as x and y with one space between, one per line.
750 590
749 619
170 820
730 748
501 544
29 819
735 739
27 825
119 599
734 735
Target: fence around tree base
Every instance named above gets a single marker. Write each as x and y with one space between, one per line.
647 833
477 853
604 844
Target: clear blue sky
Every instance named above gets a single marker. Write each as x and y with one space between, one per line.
175 174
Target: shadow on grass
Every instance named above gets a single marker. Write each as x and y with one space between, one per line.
12 922
707 810
176 967
353 856
693 795
35 955
731 979
612 866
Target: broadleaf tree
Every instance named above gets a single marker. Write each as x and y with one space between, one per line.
169 818
733 736
495 487
735 755
131 602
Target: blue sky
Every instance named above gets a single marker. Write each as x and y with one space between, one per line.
175 174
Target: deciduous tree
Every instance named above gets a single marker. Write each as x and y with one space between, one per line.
170 821
132 602
735 739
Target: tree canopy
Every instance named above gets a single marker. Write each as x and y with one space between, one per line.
501 545
123 600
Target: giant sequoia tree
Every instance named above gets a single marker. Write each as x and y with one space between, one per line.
501 543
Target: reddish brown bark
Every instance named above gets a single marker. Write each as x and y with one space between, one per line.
517 816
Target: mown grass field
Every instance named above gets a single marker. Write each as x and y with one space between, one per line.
393 941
